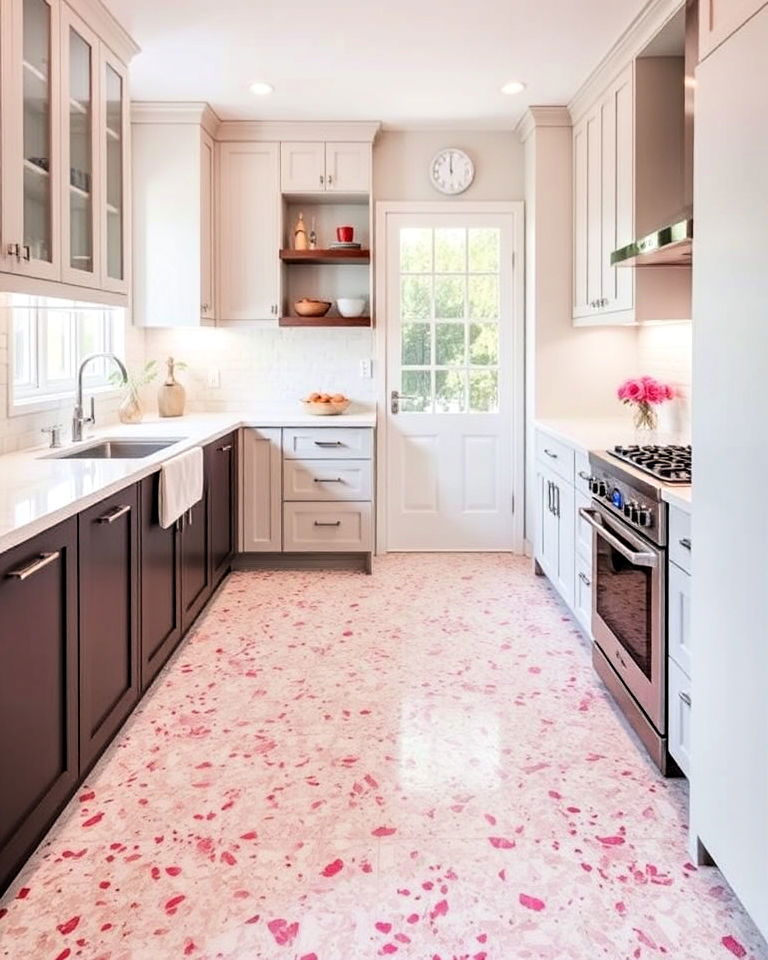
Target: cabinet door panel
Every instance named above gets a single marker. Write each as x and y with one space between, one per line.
302 167
249 228
582 592
80 151
623 103
580 186
109 660
115 165
679 712
261 491
594 211
207 239
679 602
195 562
38 688
348 167
718 19
160 585
566 542
221 467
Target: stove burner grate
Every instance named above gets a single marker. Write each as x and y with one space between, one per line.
668 463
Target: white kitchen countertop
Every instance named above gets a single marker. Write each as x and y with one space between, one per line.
599 435
37 492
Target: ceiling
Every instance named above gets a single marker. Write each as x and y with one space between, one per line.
405 62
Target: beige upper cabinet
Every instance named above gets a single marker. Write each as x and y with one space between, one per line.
718 19
173 216
248 205
325 167
65 173
603 144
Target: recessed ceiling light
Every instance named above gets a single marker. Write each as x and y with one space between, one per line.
513 87
261 89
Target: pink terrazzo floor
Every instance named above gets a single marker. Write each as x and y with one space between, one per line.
418 764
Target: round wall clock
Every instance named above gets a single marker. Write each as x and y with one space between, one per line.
451 171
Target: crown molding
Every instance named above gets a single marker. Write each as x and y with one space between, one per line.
542 117
306 131
198 113
651 19
107 28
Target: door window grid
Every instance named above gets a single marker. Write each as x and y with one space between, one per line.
449 309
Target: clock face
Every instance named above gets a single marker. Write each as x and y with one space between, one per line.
452 171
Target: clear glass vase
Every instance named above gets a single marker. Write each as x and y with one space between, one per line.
646 422
130 410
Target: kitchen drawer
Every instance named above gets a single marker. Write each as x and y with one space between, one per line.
679 712
557 456
583 594
327 479
679 616
583 530
335 528
582 473
325 443
680 538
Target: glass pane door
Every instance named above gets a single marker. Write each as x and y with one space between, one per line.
115 134
37 113
81 239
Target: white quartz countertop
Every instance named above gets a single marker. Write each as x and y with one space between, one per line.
37 492
599 435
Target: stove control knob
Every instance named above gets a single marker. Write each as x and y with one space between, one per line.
598 487
645 518
631 511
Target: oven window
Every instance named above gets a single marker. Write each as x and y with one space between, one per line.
624 594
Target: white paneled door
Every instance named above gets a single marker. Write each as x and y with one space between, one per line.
453 383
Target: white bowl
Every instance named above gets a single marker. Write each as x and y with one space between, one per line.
351 306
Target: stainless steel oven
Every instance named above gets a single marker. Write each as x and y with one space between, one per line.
629 606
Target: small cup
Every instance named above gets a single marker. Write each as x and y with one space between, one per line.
345 234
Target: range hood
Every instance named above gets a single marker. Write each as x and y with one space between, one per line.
670 246
672 243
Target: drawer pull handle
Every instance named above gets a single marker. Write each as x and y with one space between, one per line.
585 580
685 543
23 573
550 454
227 447
320 523
328 443
685 697
329 480
115 515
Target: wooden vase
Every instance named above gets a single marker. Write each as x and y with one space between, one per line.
171 396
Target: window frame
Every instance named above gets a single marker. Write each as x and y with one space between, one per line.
42 393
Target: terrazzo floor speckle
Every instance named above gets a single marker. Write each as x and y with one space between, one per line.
419 764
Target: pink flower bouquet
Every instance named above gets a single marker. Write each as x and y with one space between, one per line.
645 393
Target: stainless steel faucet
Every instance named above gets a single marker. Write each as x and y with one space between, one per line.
78 420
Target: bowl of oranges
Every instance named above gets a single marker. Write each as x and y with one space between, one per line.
326 404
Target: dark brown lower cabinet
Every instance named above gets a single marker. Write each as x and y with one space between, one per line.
221 471
38 689
109 619
161 628
196 583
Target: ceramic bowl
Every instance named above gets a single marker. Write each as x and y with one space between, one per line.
324 409
351 306
312 308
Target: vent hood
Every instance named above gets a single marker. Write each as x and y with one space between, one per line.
671 244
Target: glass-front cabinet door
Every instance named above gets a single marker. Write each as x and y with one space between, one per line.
31 145
114 82
80 148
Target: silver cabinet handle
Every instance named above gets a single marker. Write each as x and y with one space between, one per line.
685 543
14 250
329 480
115 514
557 499
227 447
204 307
336 523
585 580
322 179
549 453
330 179
549 496
26 252
328 443
643 559
23 573
685 697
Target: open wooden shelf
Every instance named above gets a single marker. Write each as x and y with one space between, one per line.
294 321
326 256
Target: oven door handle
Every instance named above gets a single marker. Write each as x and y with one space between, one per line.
594 519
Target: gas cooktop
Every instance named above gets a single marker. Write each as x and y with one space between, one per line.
668 463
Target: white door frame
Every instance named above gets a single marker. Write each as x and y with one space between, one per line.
384 208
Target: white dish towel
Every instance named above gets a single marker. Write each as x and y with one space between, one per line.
181 485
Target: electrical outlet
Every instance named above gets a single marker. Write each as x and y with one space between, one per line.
214 377
366 369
